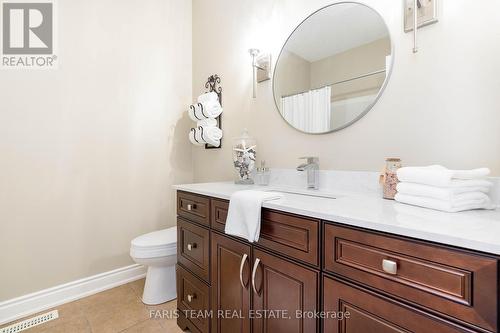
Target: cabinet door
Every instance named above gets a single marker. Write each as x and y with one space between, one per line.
285 295
230 285
351 309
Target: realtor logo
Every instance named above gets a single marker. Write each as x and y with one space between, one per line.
28 34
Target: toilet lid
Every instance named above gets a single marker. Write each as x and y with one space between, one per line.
165 237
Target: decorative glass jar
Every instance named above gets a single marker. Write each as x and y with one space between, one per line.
244 155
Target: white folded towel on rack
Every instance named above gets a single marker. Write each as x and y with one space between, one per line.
195 137
244 215
204 110
437 175
194 112
211 135
211 109
207 122
444 193
208 97
462 202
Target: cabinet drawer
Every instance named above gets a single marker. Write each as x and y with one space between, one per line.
295 237
193 248
219 210
365 311
193 207
193 299
454 283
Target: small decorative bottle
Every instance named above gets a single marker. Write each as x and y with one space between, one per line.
244 154
263 174
389 178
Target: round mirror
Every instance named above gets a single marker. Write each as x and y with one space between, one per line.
333 68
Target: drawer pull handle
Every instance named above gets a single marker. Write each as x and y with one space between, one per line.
390 266
243 260
255 266
190 207
192 246
190 298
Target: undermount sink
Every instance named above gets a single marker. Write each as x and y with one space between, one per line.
307 193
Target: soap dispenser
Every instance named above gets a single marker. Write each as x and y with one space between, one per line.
263 174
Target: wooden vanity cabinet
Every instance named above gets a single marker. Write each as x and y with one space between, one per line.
286 289
301 265
454 283
267 300
231 285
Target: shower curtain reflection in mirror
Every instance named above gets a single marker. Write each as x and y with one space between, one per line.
309 111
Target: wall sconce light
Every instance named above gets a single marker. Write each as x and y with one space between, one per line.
419 13
261 68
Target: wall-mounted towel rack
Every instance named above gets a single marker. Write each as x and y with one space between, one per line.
213 85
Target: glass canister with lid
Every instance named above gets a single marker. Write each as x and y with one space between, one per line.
244 155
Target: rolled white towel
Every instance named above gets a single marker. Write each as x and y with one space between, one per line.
444 193
207 122
195 138
211 109
463 202
195 112
205 110
208 97
437 175
211 135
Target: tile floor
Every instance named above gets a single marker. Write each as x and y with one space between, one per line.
116 310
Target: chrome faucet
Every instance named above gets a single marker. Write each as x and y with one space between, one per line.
312 168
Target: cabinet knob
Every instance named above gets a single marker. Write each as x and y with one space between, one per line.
390 266
191 246
190 207
190 298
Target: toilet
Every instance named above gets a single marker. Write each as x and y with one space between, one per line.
158 252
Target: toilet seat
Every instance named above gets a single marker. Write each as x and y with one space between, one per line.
155 244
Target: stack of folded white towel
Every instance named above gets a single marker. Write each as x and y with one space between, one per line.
439 188
204 113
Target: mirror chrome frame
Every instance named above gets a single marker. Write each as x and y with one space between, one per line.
382 88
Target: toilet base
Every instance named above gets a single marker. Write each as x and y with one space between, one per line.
160 286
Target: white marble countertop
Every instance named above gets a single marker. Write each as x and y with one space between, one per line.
476 230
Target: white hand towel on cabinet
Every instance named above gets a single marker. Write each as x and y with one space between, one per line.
437 175
444 193
463 202
244 215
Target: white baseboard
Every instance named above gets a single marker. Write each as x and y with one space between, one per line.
26 305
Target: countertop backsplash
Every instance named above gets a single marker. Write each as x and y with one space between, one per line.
361 182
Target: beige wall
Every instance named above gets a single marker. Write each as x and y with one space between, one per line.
357 61
294 75
441 105
89 151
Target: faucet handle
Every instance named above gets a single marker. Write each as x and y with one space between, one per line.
310 159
